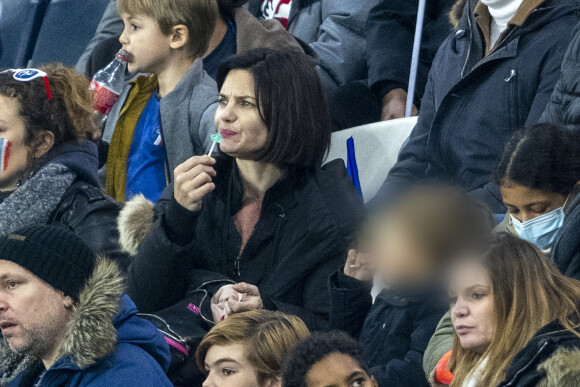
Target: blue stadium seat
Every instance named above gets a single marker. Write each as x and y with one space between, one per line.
67 28
20 21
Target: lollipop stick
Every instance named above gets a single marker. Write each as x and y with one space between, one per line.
212 148
216 138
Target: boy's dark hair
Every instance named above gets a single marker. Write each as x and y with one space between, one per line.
291 103
543 157
199 16
312 350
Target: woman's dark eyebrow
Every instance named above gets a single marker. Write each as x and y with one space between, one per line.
240 97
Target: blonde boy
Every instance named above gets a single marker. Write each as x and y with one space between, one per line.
164 118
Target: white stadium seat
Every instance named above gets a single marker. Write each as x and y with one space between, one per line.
376 147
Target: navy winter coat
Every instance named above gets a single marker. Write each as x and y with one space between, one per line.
138 343
394 331
473 103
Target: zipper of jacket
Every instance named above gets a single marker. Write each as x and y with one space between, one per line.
528 364
500 44
238 261
237 264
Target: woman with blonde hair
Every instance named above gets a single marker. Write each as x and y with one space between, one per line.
246 349
515 317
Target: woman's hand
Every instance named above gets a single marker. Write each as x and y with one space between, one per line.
237 298
219 307
358 266
193 180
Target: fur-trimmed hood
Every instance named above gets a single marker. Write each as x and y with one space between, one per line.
456 12
550 359
135 222
562 369
102 320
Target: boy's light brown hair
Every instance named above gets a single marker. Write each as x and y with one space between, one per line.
267 337
199 16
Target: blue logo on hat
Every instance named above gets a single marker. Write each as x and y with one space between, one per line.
26 75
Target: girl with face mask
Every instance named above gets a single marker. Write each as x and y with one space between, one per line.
537 173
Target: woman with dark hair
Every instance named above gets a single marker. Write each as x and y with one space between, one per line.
265 214
49 168
515 317
537 172
327 359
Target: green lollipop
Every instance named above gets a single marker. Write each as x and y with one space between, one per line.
216 138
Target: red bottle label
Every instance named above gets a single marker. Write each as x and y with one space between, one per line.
104 98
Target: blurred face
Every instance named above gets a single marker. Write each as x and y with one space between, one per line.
396 257
147 47
13 129
33 315
472 311
525 203
237 117
338 370
228 366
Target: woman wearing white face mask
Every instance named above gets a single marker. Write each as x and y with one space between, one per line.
537 172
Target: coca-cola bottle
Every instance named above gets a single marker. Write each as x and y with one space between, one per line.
107 85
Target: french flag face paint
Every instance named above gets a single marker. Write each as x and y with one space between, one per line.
5 146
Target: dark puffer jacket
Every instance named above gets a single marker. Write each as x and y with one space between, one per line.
550 359
305 228
566 249
85 209
473 103
564 107
394 331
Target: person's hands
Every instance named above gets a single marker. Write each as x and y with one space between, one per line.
394 103
250 298
358 266
193 180
237 298
219 306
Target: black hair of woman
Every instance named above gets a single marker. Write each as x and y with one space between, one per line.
291 103
543 157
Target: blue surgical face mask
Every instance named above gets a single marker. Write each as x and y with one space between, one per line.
542 230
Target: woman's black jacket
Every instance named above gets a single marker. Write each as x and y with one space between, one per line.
304 231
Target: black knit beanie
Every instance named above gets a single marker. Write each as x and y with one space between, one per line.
54 254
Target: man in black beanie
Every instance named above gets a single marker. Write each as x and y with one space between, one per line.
65 320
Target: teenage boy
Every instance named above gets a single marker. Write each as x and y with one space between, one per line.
162 119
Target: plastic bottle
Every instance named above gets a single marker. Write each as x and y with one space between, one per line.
107 85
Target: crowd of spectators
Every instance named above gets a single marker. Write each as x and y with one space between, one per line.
199 237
